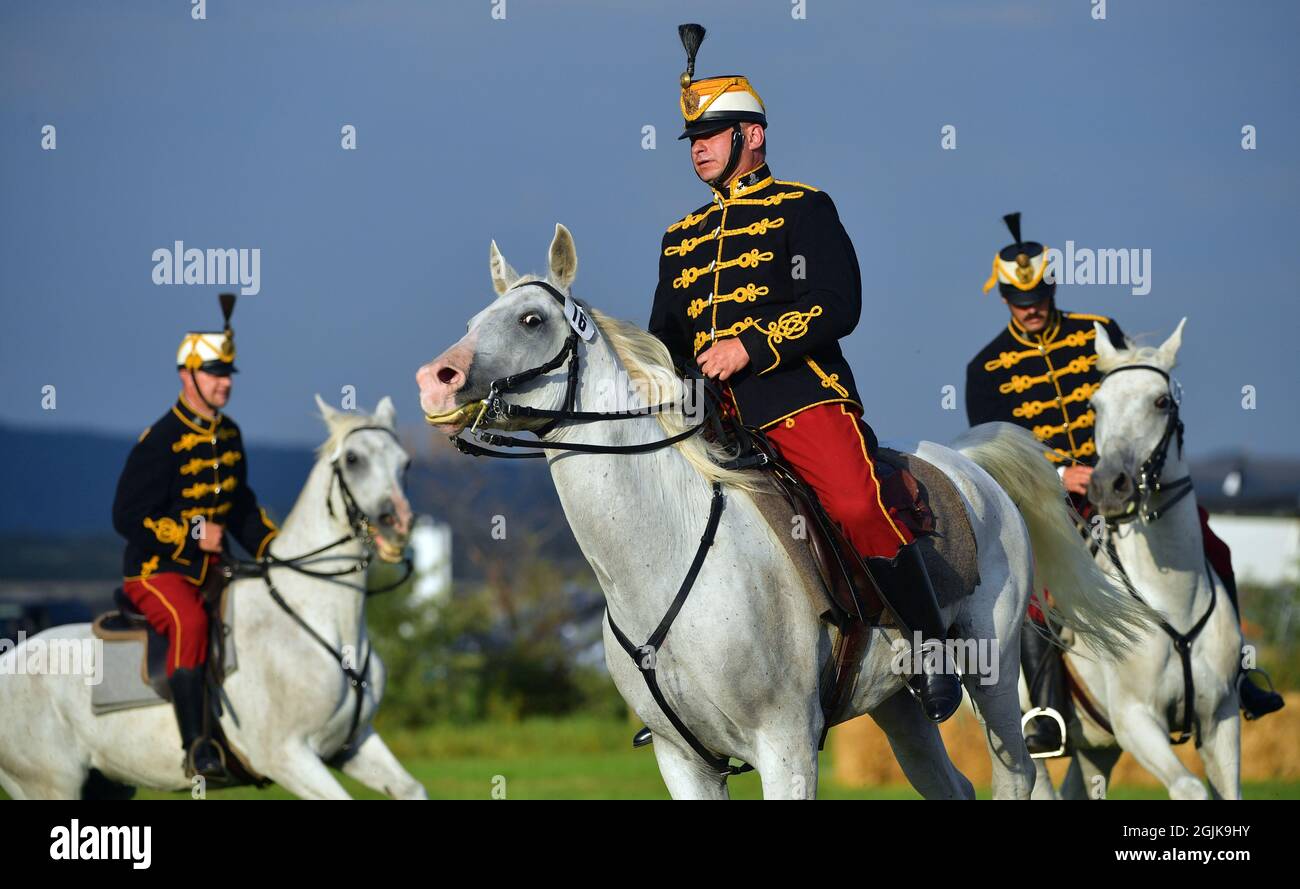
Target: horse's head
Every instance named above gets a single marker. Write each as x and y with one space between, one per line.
1136 412
524 327
370 470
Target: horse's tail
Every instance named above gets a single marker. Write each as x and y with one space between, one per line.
1084 597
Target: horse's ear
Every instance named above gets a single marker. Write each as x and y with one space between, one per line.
1169 348
1105 348
327 413
564 258
502 274
385 413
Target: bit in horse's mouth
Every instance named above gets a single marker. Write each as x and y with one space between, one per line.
459 417
388 550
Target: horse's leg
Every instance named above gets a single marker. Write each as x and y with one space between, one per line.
1043 788
42 755
919 749
1089 774
998 707
1221 752
686 775
787 764
51 785
1139 732
374 765
298 770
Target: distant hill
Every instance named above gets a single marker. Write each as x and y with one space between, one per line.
63 482
55 512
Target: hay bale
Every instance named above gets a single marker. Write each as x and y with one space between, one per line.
861 757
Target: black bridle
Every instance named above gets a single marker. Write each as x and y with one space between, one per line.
1147 486
360 527
496 408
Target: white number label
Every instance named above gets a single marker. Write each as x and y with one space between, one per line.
578 319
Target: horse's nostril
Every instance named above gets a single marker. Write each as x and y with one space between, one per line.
1121 483
388 519
447 375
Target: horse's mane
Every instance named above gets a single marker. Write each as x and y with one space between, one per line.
649 366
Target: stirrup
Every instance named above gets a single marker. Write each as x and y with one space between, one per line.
1050 713
1244 677
190 771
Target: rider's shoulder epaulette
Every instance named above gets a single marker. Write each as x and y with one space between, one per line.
1084 316
796 184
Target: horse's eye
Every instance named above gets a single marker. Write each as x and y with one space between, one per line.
531 319
1162 402
352 458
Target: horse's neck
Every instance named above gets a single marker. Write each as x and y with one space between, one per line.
637 517
1165 558
331 606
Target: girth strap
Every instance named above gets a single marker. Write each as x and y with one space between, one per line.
646 656
357 678
1191 726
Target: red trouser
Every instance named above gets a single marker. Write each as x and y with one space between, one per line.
174 608
827 446
1216 551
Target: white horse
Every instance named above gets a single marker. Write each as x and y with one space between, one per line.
289 708
1155 532
740 664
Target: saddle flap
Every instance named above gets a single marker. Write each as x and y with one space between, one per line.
128 625
948 547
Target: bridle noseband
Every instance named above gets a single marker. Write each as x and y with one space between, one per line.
1147 484
359 524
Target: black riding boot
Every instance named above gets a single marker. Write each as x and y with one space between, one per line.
1045 676
905 584
643 737
1255 701
187 699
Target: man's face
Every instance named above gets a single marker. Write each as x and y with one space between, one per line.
710 153
1033 317
214 389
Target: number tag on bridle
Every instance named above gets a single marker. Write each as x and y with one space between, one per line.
578 319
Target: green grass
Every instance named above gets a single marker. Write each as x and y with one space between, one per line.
585 758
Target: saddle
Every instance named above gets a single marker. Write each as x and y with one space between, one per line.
127 625
915 492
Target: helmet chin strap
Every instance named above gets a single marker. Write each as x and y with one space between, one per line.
737 142
199 392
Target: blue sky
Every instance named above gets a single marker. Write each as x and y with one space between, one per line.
226 133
